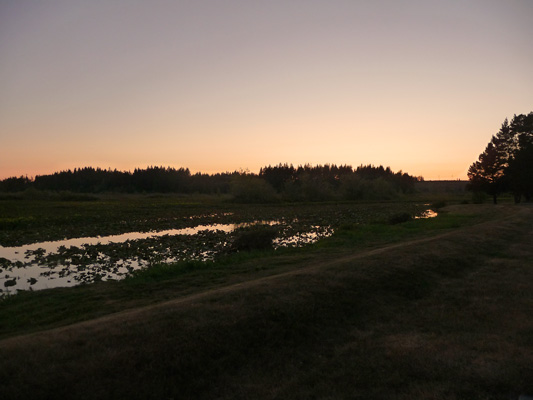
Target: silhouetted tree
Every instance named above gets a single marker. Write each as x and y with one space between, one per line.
506 162
14 184
487 174
520 164
305 182
250 188
278 176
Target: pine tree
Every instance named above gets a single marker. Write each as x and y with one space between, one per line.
507 162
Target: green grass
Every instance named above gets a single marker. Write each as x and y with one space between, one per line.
25 221
440 319
447 318
33 311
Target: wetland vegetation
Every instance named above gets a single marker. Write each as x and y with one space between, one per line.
383 305
48 244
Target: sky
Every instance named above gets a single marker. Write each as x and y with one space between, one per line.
223 85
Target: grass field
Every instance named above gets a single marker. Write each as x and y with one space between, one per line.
431 309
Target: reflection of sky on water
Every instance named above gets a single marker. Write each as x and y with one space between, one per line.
30 275
13 253
427 214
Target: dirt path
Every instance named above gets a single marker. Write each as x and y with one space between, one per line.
440 317
145 311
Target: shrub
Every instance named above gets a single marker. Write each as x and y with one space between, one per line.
400 218
438 204
257 237
251 189
356 188
315 188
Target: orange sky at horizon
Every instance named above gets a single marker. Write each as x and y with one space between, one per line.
420 86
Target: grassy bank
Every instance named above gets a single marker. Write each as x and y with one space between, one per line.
33 311
426 309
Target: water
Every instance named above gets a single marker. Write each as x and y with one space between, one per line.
427 214
70 262
13 253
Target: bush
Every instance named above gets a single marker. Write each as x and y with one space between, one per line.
400 218
356 188
315 188
258 237
438 204
251 189
34 194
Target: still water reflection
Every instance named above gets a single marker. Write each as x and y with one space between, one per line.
83 260
70 262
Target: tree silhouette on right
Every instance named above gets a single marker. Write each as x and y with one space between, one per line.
507 162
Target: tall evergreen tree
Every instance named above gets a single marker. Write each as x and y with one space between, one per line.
487 174
506 163
520 166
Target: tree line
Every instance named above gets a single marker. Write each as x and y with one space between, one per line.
506 165
282 181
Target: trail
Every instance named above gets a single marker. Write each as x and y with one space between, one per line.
442 316
145 311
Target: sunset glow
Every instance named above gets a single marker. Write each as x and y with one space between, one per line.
217 86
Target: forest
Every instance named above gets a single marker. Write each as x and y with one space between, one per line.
272 183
